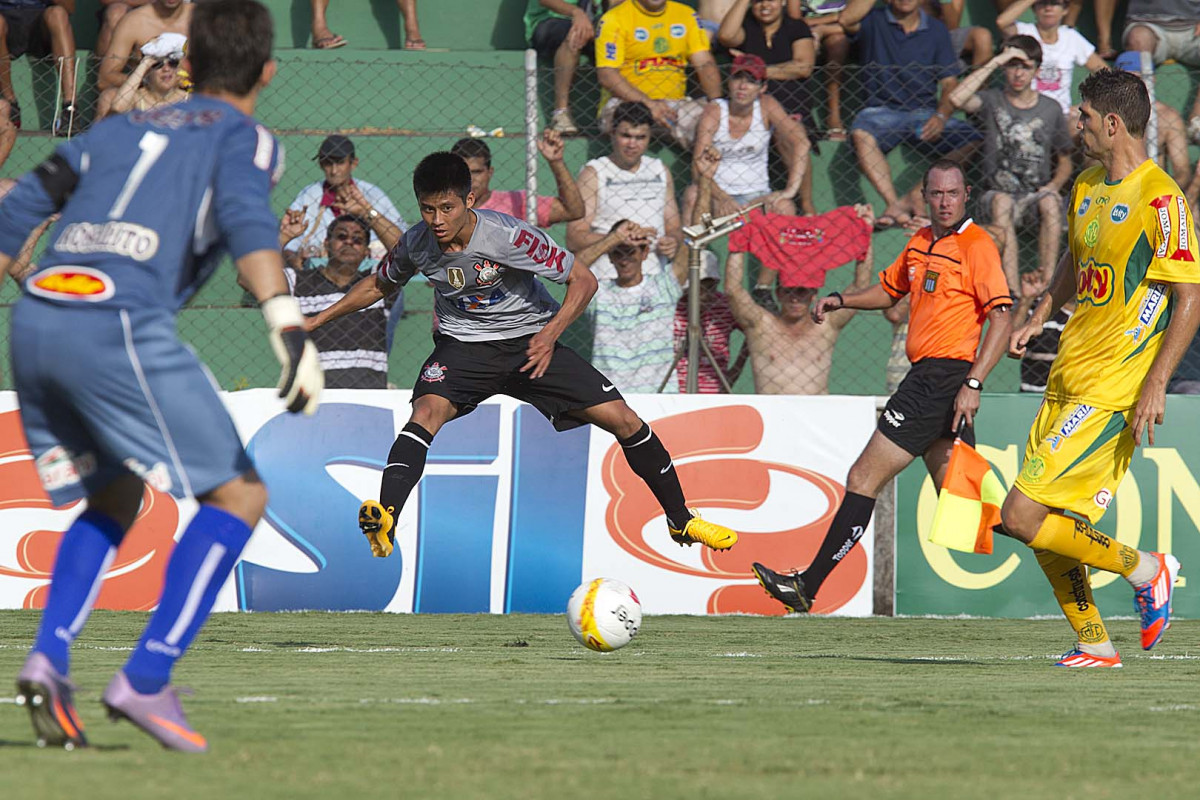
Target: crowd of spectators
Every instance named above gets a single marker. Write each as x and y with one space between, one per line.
995 96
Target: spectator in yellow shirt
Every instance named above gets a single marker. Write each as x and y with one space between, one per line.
642 49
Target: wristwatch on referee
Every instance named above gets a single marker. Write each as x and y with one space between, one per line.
973 383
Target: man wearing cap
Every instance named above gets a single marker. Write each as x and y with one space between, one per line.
340 193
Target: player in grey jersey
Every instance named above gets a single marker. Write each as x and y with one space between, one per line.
497 333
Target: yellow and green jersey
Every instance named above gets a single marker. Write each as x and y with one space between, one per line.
1129 241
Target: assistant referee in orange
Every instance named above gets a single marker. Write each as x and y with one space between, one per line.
951 270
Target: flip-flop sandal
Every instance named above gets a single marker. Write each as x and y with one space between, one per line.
837 134
329 42
414 44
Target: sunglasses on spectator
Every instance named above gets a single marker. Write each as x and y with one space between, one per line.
173 63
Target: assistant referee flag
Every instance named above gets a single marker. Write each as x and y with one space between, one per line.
968 506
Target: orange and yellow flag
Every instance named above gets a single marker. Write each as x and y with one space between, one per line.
969 504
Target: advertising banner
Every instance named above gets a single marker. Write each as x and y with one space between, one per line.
1157 507
510 516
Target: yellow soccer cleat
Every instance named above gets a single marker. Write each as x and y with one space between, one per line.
718 537
378 526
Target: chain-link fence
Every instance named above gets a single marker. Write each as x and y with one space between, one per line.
808 238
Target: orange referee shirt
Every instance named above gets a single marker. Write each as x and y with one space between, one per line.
954 282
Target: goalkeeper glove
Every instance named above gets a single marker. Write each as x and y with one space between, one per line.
302 380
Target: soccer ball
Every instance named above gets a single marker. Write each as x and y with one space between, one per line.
604 614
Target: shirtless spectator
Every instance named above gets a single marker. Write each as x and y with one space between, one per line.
111 12
566 207
137 28
40 28
154 82
627 184
789 352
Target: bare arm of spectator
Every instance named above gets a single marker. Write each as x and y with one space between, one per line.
851 17
23 265
1006 20
68 5
126 96
611 79
862 268
707 74
804 57
579 231
1095 63
952 13
705 162
668 243
793 144
706 130
112 66
795 9
291 226
748 313
1062 174
568 205
730 34
966 94
350 197
931 131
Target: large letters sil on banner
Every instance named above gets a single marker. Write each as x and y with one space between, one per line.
510 515
1157 507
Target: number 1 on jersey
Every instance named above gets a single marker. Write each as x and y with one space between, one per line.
152 146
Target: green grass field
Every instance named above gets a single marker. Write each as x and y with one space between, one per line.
342 706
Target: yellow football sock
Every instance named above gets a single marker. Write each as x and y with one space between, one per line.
1076 539
1073 591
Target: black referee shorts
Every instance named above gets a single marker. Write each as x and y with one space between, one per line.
468 373
922 409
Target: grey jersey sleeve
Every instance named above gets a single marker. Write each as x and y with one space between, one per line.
396 267
532 250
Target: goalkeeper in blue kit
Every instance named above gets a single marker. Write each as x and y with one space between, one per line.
110 399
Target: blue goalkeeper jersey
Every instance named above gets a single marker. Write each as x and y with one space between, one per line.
150 201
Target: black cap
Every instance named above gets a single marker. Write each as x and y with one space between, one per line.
335 148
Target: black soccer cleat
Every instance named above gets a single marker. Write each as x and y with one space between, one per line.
787 589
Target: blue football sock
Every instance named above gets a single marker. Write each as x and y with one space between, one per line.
201 562
84 555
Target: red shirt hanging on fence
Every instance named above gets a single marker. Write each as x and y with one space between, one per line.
716 325
803 249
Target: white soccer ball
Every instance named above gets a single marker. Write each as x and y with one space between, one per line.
604 614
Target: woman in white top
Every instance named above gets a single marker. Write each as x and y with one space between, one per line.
740 128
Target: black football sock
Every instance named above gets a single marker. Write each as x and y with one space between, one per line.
406 462
848 525
652 463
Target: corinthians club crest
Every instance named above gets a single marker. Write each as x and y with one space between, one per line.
434 372
487 273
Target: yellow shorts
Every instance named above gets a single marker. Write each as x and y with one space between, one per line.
1076 457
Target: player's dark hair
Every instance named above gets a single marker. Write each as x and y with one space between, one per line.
944 164
633 112
439 173
1027 44
1115 91
353 219
472 148
229 43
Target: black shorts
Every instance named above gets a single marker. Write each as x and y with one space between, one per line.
468 373
922 409
548 36
26 32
